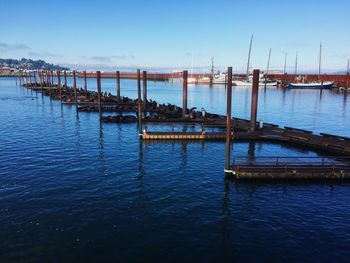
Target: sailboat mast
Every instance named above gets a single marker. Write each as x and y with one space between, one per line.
212 66
348 67
319 62
250 50
268 67
268 62
285 63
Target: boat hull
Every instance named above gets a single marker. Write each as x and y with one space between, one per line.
249 84
325 85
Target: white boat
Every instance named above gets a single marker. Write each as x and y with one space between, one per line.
220 79
250 83
194 81
312 85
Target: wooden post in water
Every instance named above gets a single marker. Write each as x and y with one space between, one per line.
254 106
35 84
98 78
118 85
42 81
184 92
139 108
75 88
52 80
144 78
85 82
228 120
48 77
347 73
65 79
59 83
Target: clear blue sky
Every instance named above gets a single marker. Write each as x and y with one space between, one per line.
176 33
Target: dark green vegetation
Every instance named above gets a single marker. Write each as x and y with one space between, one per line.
29 64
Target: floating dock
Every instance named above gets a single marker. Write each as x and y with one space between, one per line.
147 112
289 168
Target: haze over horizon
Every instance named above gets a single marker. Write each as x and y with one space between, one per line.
177 35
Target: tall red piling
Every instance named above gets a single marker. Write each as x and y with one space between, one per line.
59 83
228 119
75 88
98 78
144 79
48 79
85 82
35 84
254 106
65 79
42 81
39 77
52 80
139 108
118 85
184 92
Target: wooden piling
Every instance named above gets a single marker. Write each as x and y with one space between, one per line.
254 106
98 78
52 79
75 88
118 85
59 84
35 84
65 79
85 82
39 77
184 93
228 119
42 81
48 79
144 79
139 108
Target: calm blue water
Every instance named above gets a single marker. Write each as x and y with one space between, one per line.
72 189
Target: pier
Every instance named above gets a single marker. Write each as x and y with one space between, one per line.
146 112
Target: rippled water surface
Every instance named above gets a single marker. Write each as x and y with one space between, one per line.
72 189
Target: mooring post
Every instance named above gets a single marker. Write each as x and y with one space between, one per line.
38 72
254 106
52 80
65 79
228 120
75 89
59 83
35 84
139 108
144 79
184 93
98 78
42 81
118 85
85 82
48 77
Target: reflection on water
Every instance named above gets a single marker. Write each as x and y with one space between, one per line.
80 190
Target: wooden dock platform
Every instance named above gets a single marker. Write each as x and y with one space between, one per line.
291 168
269 132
